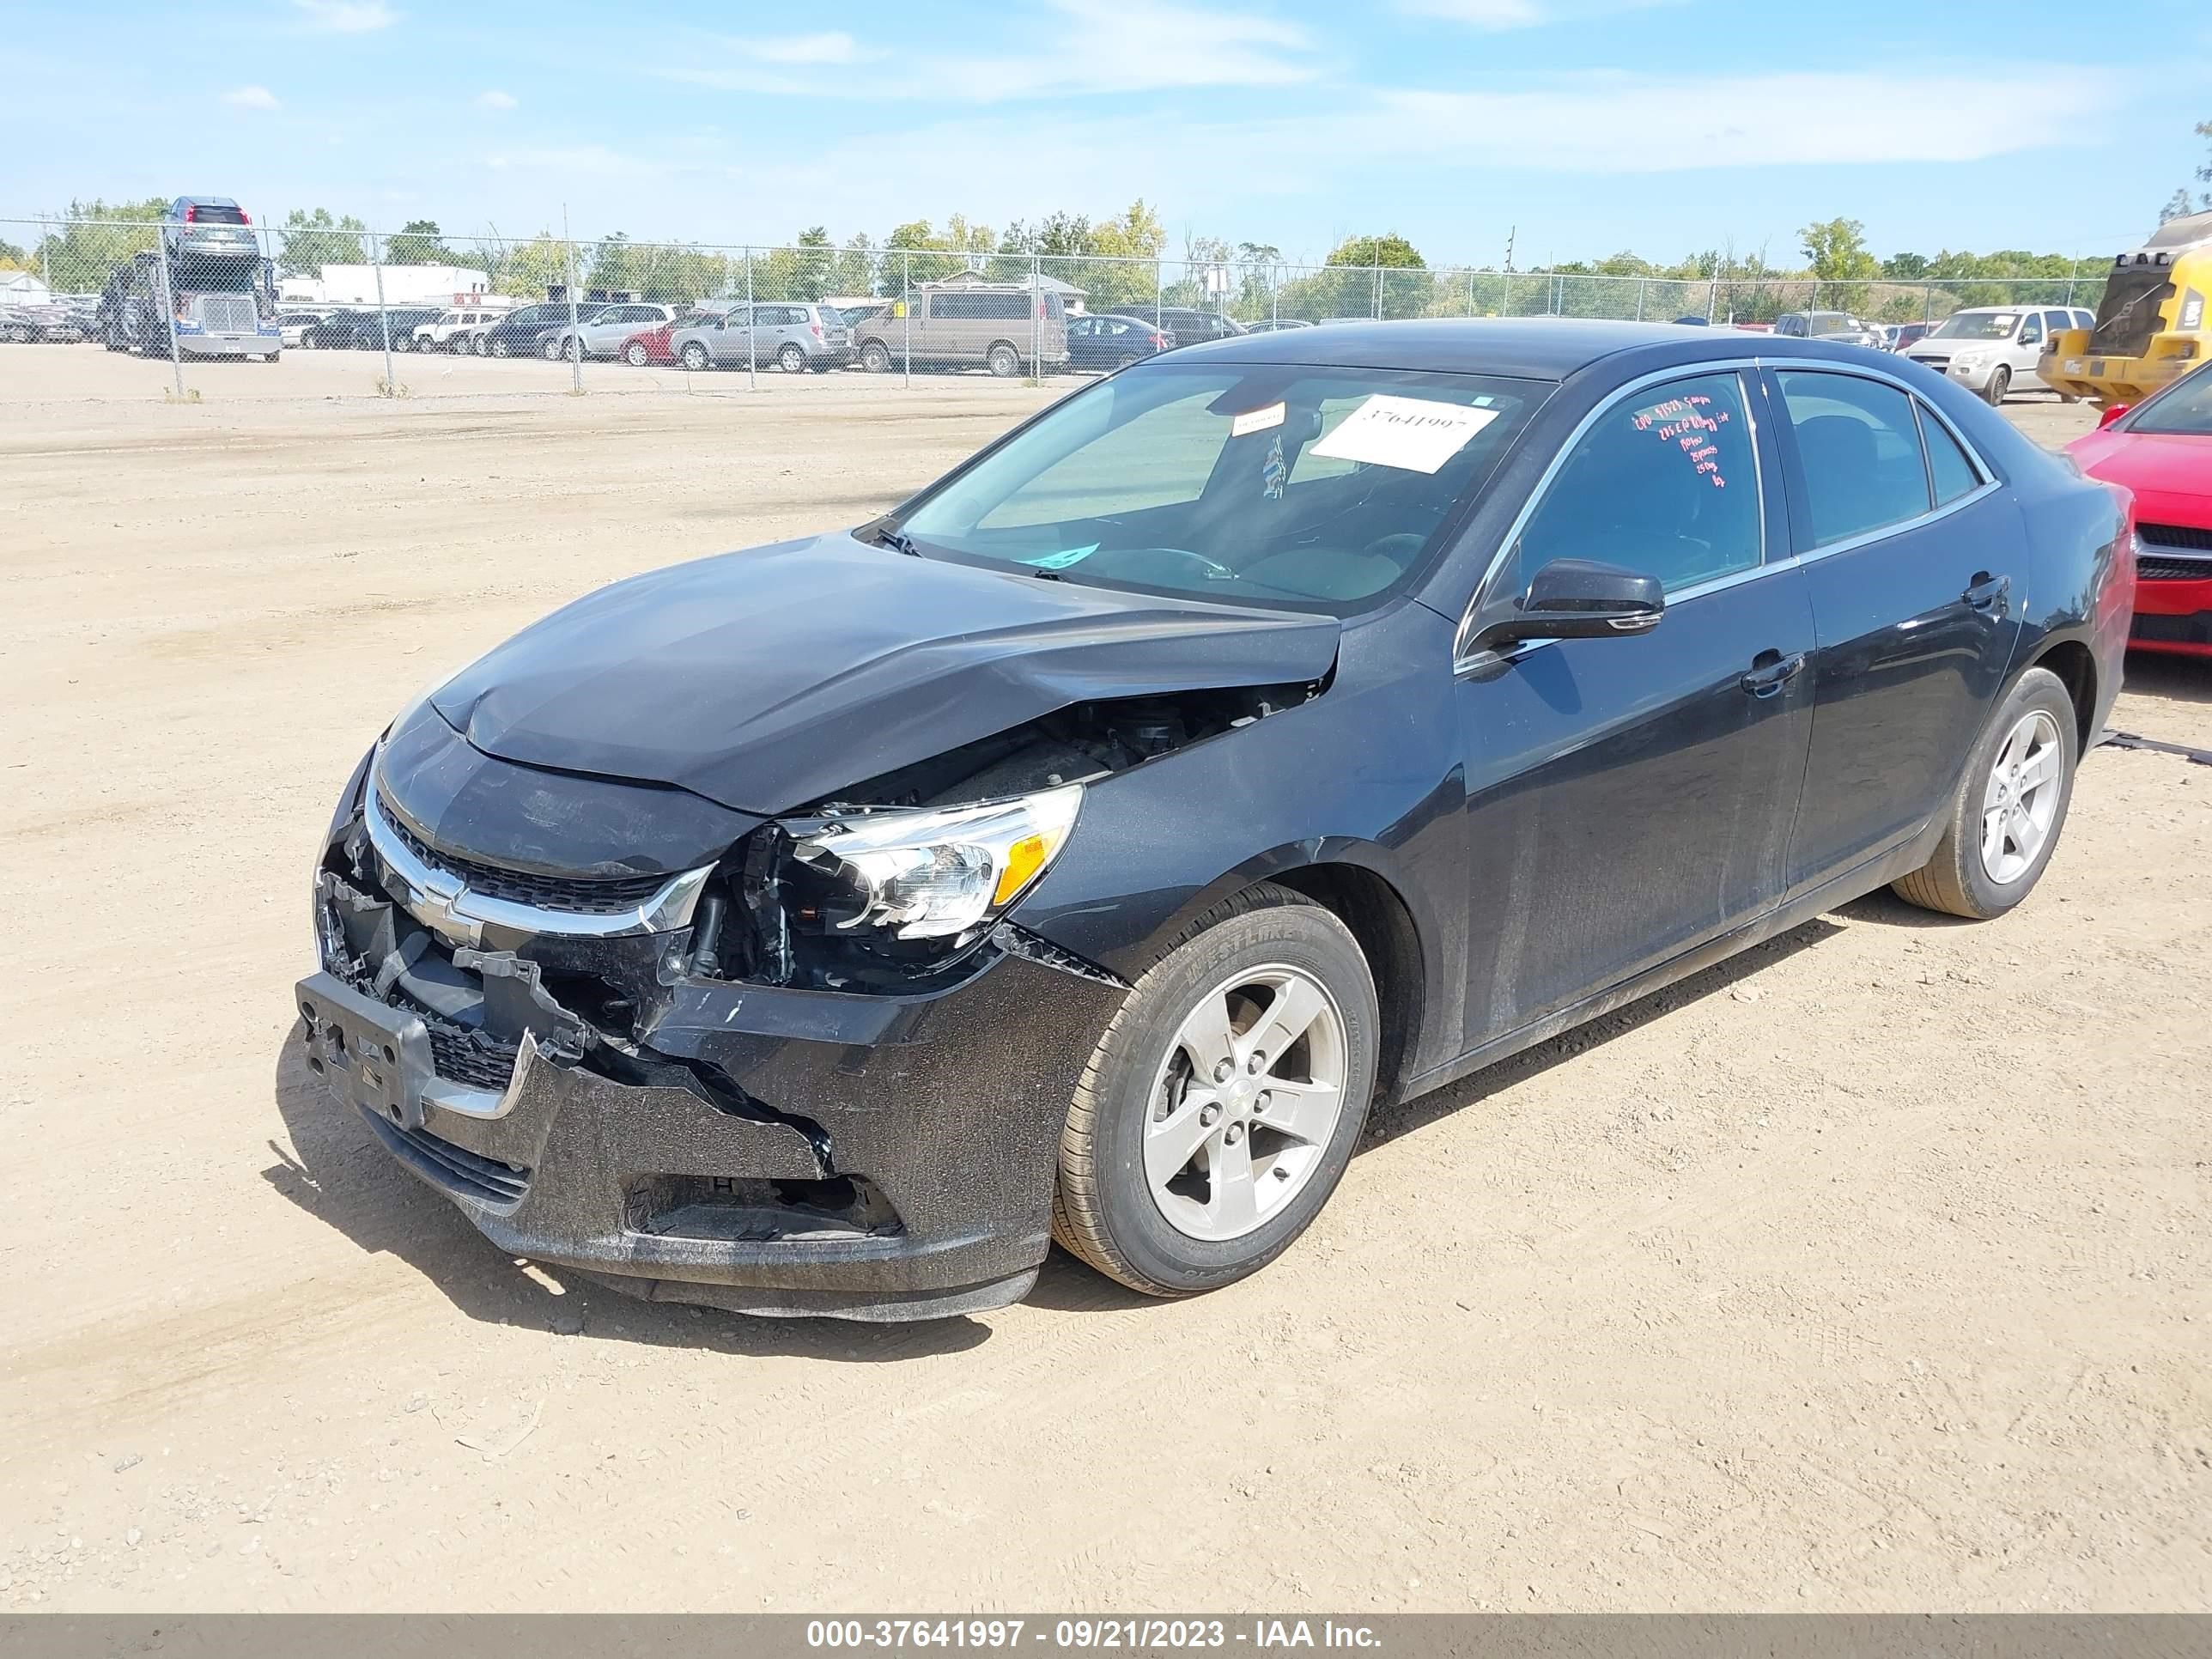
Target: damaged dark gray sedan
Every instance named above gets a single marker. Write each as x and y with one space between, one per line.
1275 728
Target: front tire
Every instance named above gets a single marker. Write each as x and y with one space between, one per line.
875 358
694 356
1224 1100
2009 807
1999 384
551 350
636 354
1004 361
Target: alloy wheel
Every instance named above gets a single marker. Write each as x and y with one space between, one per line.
2021 800
1245 1103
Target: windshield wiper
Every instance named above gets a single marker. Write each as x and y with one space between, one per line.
883 533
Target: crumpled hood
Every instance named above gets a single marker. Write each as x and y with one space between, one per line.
768 680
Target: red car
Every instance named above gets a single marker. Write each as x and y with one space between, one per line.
2161 450
650 345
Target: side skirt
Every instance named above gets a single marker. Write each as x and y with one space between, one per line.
1856 881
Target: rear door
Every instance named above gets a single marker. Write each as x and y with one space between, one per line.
1630 798
1919 578
2026 349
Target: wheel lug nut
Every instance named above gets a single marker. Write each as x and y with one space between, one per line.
1208 1115
1235 1134
1221 1072
1256 1064
1260 1103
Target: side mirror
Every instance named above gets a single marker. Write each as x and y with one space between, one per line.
2112 412
1578 599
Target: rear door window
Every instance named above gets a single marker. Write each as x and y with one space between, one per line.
1950 474
1858 444
1665 482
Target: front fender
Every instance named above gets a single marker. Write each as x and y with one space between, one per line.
1369 774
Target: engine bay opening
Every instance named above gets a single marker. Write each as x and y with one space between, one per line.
774 917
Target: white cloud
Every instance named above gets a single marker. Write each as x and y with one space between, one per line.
251 98
838 47
1142 45
348 16
495 100
1620 123
1480 13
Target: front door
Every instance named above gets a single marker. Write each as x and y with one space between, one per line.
1913 554
1631 798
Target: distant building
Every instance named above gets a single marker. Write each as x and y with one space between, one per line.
23 287
404 285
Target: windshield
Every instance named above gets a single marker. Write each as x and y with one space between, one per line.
2184 410
1256 483
1976 326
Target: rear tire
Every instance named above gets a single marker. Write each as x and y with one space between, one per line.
636 354
1003 361
1999 384
551 350
1128 1201
2002 827
792 360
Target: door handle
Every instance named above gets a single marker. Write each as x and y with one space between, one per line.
1987 593
1770 671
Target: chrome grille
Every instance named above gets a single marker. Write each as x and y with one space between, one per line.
578 895
227 313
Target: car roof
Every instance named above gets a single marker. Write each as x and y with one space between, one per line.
1521 348
204 201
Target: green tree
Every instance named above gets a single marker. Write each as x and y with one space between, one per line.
93 238
12 258
308 241
932 255
419 242
2180 206
1905 267
1838 250
1350 284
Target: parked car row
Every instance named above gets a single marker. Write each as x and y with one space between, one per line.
45 324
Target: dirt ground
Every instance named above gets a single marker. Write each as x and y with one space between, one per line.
1869 1270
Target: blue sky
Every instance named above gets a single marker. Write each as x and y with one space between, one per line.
1589 126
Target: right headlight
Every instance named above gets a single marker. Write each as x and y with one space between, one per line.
935 872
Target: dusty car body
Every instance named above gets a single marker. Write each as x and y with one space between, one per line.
825 928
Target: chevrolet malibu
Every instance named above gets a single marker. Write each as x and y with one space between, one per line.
1278 729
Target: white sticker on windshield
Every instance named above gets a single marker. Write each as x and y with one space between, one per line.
2004 319
1257 419
1411 432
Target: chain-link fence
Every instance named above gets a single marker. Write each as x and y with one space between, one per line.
426 315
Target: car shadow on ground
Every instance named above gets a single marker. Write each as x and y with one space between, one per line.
1418 1113
338 1171
2154 674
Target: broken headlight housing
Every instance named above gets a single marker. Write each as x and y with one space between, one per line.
935 873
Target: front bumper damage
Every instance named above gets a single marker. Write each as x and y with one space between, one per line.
591 1103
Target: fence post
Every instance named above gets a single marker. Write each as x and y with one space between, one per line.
1036 318
1927 303
168 303
1160 298
1275 294
575 332
752 346
383 316
1712 296
905 318
1378 292
1640 284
